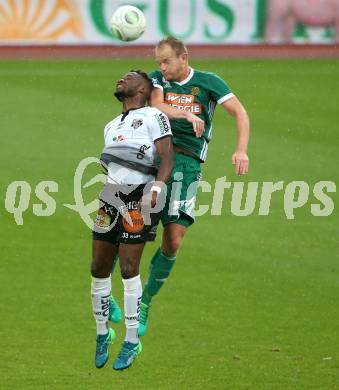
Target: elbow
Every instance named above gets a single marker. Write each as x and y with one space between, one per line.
242 115
246 118
241 111
245 114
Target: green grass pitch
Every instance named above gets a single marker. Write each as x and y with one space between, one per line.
252 302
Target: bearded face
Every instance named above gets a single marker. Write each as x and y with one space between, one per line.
127 86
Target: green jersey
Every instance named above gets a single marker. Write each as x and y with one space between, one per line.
199 94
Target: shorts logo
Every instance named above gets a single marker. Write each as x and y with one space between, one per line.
102 220
183 102
137 222
136 123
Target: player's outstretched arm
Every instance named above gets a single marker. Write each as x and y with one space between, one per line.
239 158
157 100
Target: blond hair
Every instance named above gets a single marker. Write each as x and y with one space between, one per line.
176 44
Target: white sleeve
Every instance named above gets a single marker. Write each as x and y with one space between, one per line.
106 131
159 125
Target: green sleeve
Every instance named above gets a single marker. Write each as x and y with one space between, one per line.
156 77
219 90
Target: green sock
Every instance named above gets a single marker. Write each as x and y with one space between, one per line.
158 272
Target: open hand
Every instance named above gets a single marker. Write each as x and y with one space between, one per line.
240 161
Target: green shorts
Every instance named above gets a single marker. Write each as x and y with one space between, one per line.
181 191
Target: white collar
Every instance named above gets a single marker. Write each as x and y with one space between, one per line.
187 79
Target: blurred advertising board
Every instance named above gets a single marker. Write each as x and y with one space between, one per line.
81 22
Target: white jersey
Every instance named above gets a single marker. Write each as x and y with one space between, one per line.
129 153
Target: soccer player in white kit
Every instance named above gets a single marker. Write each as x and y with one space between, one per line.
128 214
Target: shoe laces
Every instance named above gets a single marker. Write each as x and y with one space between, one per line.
102 345
125 351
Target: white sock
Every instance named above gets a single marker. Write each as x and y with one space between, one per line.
101 291
132 299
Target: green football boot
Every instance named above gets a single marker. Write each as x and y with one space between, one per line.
144 310
103 344
115 314
127 355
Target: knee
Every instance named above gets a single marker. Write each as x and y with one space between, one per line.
128 269
171 244
96 269
99 268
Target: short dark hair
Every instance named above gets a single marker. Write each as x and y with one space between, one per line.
176 44
147 81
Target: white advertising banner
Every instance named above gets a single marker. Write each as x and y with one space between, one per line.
79 22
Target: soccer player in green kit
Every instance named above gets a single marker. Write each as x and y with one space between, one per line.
188 97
